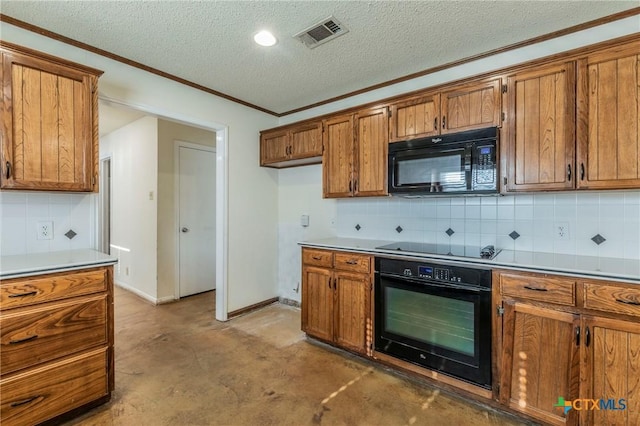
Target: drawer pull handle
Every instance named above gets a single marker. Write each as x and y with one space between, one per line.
26 339
352 262
24 401
31 293
587 336
535 288
316 257
628 302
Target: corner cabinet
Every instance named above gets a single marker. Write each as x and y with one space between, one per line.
56 344
608 149
49 122
470 106
355 154
336 298
291 146
572 338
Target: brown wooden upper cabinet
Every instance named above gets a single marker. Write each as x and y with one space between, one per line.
50 122
456 109
608 149
292 146
355 154
548 149
541 128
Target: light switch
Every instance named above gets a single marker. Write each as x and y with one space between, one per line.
304 220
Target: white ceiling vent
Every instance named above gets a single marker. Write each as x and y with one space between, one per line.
321 32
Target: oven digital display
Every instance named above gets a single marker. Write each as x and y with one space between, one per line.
425 271
485 150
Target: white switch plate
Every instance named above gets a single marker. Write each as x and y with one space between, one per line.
45 230
304 220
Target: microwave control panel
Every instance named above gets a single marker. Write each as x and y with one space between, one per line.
485 165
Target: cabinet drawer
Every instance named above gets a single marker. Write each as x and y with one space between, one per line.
32 336
29 291
614 299
317 257
552 290
46 392
352 262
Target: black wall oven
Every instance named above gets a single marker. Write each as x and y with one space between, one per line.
461 163
436 316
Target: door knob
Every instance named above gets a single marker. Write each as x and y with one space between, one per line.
185 229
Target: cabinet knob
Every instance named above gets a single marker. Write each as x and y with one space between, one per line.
8 170
581 171
569 172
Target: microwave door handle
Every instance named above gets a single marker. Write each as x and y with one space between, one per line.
467 167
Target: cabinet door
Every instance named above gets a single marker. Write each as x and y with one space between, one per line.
540 361
415 118
48 129
609 119
317 302
337 159
274 147
372 147
306 141
470 107
611 371
541 129
353 293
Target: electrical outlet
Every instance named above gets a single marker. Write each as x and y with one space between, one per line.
561 230
45 230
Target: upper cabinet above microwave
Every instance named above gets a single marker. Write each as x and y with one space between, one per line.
465 107
547 149
50 122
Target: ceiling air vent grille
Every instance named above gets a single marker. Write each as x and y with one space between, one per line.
321 32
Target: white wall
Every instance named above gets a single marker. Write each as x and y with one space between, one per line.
134 187
20 211
253 191
300 192
168 133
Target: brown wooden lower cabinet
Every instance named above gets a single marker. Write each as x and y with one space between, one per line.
540 361
336 299
585 357
611 371
56 344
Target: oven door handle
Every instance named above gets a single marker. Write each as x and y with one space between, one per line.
429 283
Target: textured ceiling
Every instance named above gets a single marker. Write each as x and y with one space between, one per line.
210 42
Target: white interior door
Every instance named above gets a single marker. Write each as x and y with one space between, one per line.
196 219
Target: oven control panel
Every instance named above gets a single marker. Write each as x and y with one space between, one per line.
434 272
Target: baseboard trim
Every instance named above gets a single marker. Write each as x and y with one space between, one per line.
289 302
250 308
163 300
137 292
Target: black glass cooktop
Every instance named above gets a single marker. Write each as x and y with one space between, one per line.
487 252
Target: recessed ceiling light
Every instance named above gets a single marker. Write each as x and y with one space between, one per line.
265 38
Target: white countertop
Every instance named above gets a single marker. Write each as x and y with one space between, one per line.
56 261
588 266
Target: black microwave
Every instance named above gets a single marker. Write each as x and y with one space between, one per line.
460 163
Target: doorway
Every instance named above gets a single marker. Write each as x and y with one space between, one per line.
104 216
221 192
196 213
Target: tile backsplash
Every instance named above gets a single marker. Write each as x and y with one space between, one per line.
20 213
565 223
